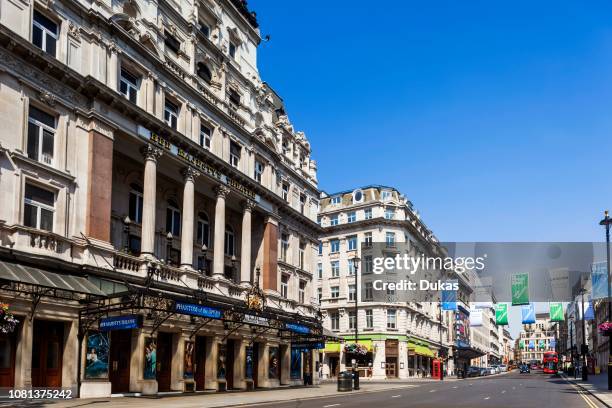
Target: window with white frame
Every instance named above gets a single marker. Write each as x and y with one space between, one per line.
367 213
285 191
333 220
230 241
39 207
259 170
367 263
205 137
334 245
320 270
41 135
235 150
334 318
351 267
301 254
335 292
302 291
352 293
351 217
302 202
284 285
129 85
369 318
367 239
336 200
352 242
44 33
391 318
135 203
389 213
352 320
203 230
173 218
171 112
284 246
369 291
385 195
390 239
335 269
232 50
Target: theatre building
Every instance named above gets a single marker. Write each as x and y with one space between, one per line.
158 220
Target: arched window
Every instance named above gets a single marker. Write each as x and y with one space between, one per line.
203 227
204 72
173 218
135 203
230 241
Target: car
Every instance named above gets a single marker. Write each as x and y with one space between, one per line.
473 371
524 368
485 371
503 368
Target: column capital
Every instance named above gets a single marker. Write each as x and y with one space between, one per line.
249 205
190 174
222 191
151 152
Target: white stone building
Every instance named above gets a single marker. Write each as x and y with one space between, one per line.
401 338
535 339
147 173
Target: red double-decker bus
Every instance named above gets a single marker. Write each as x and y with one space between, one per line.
550 362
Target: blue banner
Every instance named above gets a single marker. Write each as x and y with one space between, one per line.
553 344
120 322
449 299
599 280
528 313
589 313
531 344
197 310
297 328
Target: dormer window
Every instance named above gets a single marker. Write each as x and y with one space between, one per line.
385 195
336 200
172 43
357 196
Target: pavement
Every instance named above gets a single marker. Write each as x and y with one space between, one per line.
597 386
504 390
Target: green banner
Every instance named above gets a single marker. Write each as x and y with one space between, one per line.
520 289
501 314
556 312
522 345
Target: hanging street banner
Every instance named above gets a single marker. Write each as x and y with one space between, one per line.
599 280
556 312
531 345
501 314
449 299
475 317
522 344
552 344
528 314
589 313
520 289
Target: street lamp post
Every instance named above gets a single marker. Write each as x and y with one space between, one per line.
356 270
583 346
441 360
572 347
606 222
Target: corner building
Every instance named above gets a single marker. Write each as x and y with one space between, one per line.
147 174
400 339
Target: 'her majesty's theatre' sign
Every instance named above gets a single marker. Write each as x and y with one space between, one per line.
195 162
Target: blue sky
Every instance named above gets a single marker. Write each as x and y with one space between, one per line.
494 118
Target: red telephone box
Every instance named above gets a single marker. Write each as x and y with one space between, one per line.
436 369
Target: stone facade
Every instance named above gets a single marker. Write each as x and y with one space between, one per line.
141 150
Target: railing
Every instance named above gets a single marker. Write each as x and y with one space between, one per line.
127 262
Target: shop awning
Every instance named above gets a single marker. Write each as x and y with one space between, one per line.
420 350
35 277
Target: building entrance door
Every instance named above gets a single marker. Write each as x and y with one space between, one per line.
47 353
200 363
229 364
255 365
164 361
120 354
7 359
391 367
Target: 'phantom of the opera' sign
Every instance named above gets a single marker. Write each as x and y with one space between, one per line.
297 328
120 322
196 162
197 310
256 320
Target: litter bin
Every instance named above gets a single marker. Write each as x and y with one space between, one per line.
345 381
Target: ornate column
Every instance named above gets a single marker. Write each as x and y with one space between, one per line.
151 154
270 253
219 238
190 175
245 248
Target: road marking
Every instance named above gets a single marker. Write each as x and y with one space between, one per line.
330 405
471 384
395 396
487 398
455 386
503 391
584 394
432 390
514 388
